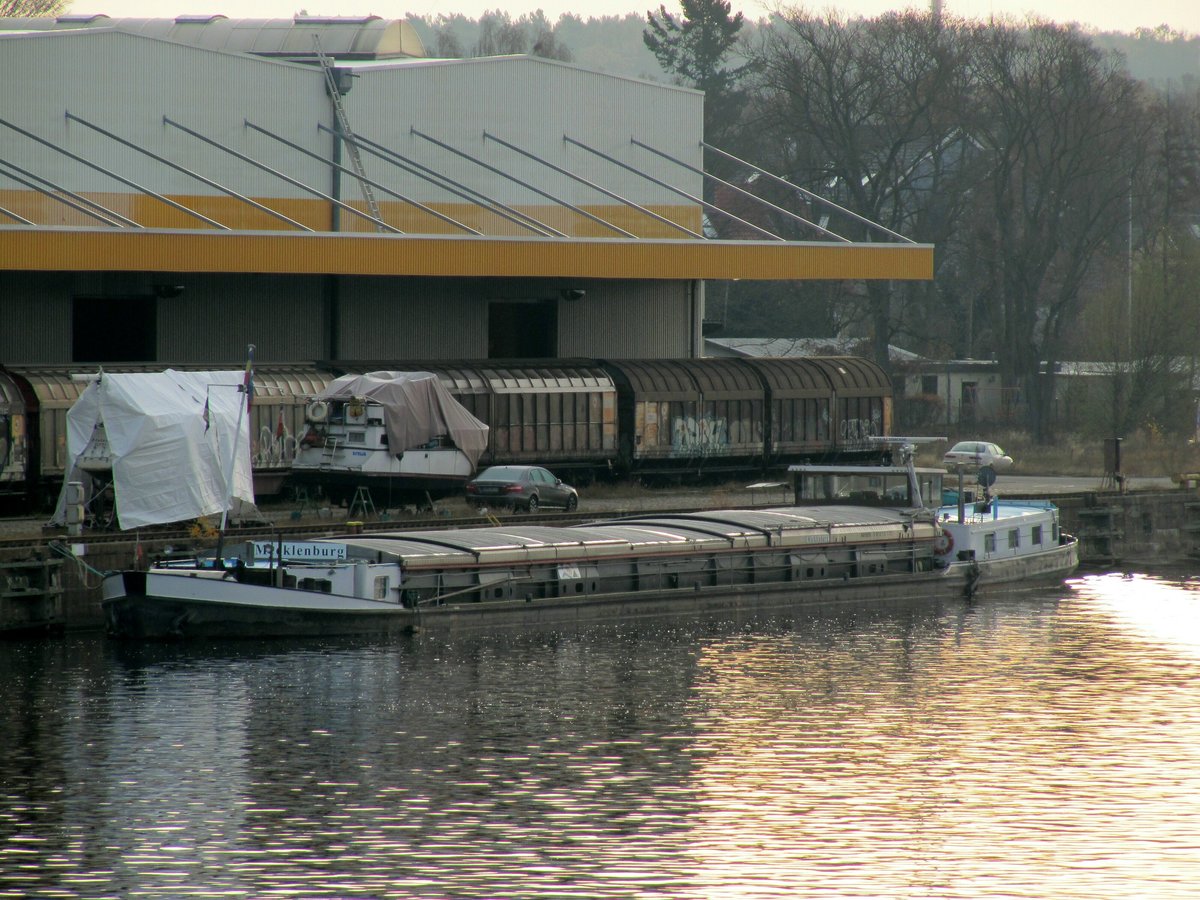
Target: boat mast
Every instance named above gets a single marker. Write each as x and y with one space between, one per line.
247 388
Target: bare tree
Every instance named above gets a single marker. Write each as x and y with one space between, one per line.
1059 123
868 110
1144 339
20 9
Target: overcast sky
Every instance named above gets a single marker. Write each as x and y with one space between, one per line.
1107 15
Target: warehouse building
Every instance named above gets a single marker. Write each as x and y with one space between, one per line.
172 190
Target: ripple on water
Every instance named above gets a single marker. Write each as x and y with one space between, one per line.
1036 747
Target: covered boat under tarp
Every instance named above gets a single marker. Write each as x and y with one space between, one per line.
416 409
401 434
164 440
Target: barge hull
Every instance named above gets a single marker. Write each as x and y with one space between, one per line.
166 607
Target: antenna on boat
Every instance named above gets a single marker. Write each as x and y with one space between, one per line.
907 445
908 448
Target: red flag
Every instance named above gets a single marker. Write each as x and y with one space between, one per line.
279 426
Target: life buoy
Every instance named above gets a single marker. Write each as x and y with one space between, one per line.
943 543
318 411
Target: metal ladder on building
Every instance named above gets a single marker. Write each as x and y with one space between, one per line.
345 133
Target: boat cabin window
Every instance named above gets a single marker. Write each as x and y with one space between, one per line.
356 437
1036 535
883 487
323 585
381 587
989 542
1014 538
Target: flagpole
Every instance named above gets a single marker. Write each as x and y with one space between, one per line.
248 389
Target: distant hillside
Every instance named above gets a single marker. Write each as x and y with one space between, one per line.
1157 55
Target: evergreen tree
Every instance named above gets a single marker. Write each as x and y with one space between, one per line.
695 47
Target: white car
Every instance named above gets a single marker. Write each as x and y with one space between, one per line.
977 455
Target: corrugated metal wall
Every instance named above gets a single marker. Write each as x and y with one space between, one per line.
35 317
628 320
143 81
531 103
411 318
447 319
215 317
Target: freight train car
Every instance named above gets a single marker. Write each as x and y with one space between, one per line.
747 414
828 408
34 401
579 417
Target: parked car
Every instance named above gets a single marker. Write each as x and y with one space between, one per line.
521 487
977 455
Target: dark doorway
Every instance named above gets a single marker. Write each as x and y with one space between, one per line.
114 329
522 329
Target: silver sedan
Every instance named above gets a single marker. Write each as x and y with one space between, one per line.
521 487
977 455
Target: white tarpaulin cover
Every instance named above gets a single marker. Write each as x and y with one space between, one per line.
170 459
417 408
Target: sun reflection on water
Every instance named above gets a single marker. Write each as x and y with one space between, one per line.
1150 608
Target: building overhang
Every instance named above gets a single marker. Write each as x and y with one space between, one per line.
48 249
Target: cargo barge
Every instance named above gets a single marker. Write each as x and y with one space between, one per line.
853 545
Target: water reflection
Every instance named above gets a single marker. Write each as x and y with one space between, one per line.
1149 608
1033 747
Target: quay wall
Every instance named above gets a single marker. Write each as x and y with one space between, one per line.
1133 530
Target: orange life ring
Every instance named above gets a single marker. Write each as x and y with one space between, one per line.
943 543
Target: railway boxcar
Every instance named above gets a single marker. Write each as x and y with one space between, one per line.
823 407
17 446
863 402
676 415
36 399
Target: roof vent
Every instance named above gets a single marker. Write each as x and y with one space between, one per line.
335 20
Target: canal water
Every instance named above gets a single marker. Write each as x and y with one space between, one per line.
1041 746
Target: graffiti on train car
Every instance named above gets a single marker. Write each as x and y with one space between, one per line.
705 435
859 432
275 447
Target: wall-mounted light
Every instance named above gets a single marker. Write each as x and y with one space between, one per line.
166 291
573 294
